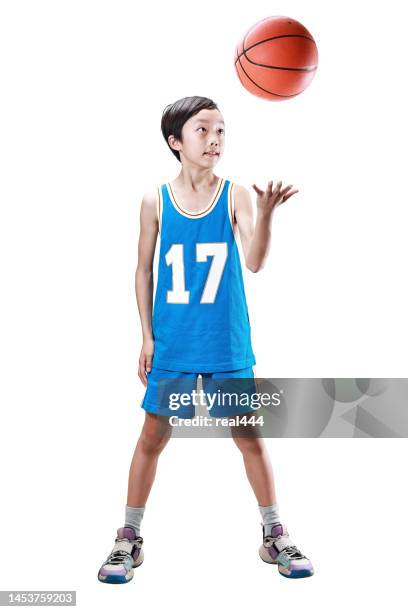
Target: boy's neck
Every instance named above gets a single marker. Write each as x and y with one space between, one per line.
195 179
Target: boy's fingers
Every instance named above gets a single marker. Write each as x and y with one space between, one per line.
286 189
278 186
142 368
142 377
287 196
258 191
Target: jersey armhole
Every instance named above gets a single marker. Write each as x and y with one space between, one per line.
159 207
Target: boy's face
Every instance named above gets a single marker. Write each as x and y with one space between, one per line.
202 138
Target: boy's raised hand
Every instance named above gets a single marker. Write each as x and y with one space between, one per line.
145 360
269 199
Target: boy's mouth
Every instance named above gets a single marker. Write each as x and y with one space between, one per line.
211 153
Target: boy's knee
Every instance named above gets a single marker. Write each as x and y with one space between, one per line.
153 443
249 444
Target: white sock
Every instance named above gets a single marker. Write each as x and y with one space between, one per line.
270 516
133 518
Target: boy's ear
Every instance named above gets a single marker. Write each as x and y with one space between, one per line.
173 142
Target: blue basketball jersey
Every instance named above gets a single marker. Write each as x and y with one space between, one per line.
200 319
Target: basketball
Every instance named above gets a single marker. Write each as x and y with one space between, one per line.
276 59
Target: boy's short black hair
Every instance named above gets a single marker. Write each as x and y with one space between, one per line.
175 115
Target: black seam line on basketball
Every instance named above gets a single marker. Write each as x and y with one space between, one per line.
266 90
311 69
239 76
260 42
244 52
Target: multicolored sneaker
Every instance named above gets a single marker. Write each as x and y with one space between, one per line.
126 554
278 548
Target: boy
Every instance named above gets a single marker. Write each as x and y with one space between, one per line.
200 322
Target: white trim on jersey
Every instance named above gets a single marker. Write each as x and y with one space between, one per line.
205 211
231 204
159 205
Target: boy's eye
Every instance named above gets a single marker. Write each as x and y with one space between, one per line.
203 128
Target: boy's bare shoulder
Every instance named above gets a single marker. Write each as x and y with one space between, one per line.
241 195
149 215
150 198
240 188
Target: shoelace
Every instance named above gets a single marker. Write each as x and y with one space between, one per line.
117 557
292 551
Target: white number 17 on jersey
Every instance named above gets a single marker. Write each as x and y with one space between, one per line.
175 258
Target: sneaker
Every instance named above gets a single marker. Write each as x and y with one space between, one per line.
278 548
126 554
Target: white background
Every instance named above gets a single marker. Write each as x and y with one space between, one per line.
83 88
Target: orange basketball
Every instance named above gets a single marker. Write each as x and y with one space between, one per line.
276 59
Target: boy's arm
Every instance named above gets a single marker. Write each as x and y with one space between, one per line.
256 240
149 227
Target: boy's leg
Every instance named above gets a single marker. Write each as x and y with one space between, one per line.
277 547
156 431
154 436
257 465
127 552
247 438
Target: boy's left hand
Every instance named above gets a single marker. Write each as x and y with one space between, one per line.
269 199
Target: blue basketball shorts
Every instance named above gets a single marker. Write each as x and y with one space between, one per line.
222 394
